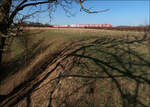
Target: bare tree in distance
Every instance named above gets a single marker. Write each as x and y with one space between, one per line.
10 10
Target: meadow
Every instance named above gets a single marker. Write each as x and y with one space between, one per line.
59 34
77 67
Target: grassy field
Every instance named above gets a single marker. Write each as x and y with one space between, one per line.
59 36
66 67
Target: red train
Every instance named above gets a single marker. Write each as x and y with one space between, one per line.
83 25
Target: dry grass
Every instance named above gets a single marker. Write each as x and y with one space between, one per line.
55 51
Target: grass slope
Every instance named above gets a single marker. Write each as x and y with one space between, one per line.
77 68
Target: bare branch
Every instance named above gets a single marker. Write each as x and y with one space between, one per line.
89 11
22 5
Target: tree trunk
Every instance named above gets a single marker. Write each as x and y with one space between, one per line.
5 7
2 41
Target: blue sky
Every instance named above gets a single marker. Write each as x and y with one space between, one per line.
122 12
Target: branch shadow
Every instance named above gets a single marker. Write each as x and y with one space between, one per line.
87 62
23 58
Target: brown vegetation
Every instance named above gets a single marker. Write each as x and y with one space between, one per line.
90 72
127 28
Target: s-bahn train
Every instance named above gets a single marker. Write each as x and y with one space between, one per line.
83 25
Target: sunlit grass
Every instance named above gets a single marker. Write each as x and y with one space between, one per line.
42 43
60 36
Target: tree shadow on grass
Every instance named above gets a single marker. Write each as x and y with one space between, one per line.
110 58
21 60
110 61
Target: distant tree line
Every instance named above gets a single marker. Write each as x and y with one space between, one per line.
33 24
125 28
121 28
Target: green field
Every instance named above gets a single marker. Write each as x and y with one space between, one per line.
77 67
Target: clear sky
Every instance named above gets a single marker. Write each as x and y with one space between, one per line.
122 12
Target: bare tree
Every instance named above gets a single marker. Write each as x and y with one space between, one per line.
10 9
